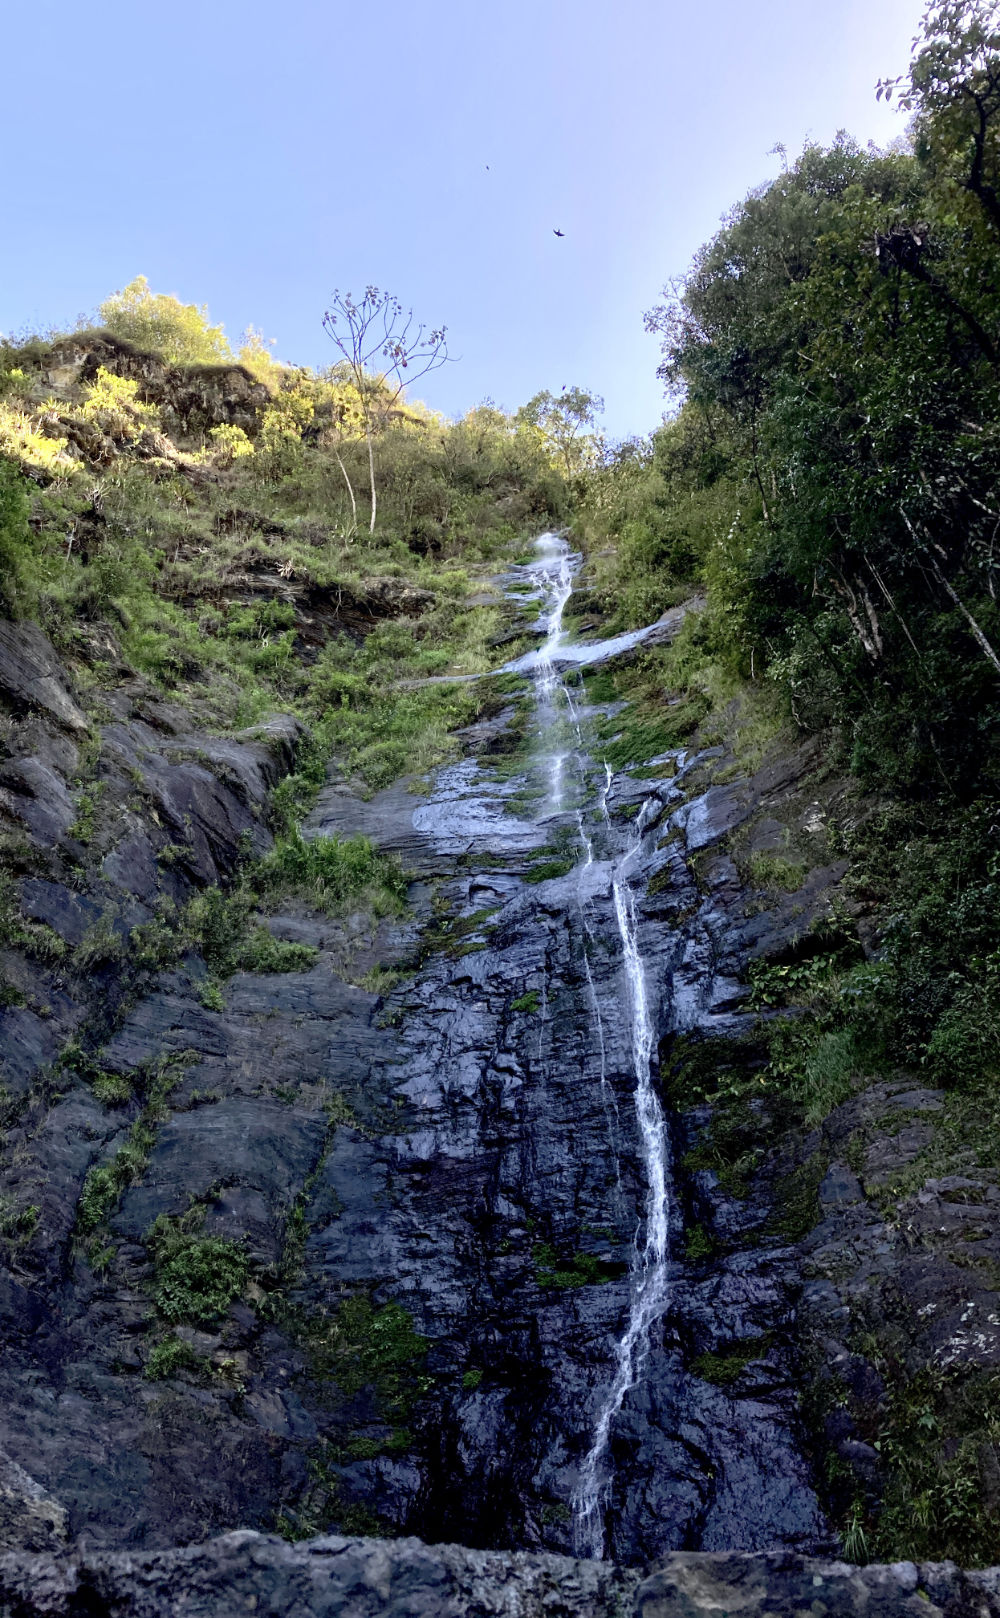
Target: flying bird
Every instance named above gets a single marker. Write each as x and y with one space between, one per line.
558 233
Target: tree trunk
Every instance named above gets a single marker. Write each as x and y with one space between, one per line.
978 633
371 475
354 503
966 614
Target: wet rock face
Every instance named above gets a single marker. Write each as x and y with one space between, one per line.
436 1194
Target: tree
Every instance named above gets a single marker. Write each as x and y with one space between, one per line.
839 340
562 421
380 342
953 87
180 332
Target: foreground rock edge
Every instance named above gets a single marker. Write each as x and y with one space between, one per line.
405 1578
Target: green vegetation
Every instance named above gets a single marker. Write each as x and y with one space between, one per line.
321 1508
564 423
698 1244
581 1270
455 935
35 938
367 1346
106 1184
161 324
824 495
221 558
196 1277
17 1224
331 873
940 1436
548 870
726 1365
222 927
169 1357
654 720
826 486
112 1089
775 871
829 476
15 586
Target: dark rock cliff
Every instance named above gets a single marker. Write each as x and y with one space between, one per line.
435 1189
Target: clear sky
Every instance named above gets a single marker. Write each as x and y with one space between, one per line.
255 154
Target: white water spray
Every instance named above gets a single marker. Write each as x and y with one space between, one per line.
649 1272
557 568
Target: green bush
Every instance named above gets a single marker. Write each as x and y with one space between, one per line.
222 927
333 873
157 321
196 1277
15 577
113 404
229 443
169 1357
17 1225
367 1346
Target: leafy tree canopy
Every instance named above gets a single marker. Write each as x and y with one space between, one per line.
158 321
564 422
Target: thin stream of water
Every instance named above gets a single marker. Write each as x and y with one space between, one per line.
649 1269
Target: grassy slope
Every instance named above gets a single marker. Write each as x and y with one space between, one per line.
226 571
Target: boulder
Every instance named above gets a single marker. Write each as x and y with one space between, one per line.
31 676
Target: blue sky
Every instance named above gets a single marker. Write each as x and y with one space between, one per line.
254 156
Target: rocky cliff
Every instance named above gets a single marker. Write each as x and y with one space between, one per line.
355 1244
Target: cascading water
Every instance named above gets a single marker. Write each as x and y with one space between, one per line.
649 1269
556 567
649 1272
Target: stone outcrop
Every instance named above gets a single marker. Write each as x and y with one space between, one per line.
31 677
191 398
369 1578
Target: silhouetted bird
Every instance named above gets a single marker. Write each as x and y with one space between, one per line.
558 233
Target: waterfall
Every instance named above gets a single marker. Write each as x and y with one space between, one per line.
648 1291
649 1273
556 566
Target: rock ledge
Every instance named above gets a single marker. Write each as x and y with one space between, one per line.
246 1572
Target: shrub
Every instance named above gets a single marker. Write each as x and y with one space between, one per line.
221 925
180 332
331 873
229 444
196 1277
168 1357
113 405
21 440
17 1225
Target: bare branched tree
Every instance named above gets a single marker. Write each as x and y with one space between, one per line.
385 350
